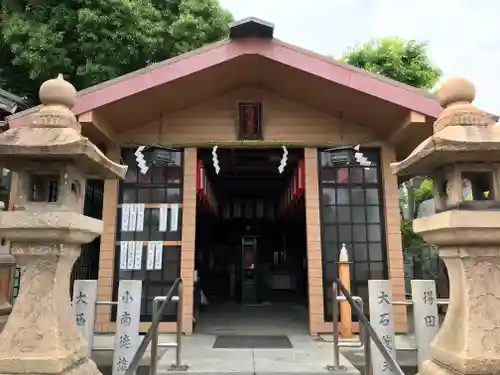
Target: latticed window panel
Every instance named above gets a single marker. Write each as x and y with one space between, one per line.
86 266
352 212
160 185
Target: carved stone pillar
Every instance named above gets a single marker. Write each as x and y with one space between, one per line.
469 339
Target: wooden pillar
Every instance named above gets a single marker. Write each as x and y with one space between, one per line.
188 237
313 233
393 237
107 250
345 278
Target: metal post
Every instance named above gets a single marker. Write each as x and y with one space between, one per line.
154 340
336 349
373 335
367 350
178 363
335 316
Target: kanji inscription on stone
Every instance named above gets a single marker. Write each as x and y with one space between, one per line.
425 316
84 305
127 324
381 318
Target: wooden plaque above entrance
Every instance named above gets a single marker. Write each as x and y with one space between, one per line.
250 120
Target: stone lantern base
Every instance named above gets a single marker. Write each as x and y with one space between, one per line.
468 342
41 335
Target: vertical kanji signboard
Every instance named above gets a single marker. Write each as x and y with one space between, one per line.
84 301
127 324
381 318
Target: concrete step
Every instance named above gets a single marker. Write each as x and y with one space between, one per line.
308 356
405 358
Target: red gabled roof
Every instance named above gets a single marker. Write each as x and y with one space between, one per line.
273 49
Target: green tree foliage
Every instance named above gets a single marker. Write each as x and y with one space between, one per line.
424 192
403 61
406 62
91 41
411 241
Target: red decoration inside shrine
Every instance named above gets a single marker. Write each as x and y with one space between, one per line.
295 190
300 180
204 188
249 209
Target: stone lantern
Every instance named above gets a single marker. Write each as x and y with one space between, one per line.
463 159
46 230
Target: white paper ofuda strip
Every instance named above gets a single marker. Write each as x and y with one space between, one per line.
140 217
138 255
125 216
131 255
163 218
159 255
123 255
150 260
132 219
175 217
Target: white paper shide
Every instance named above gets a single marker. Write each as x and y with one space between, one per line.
163 219
138 255
174 220
123 255
150 259
130 255
158 255
125 212
141 207
132 220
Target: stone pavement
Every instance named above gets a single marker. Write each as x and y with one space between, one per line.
406 351
403 341
308 356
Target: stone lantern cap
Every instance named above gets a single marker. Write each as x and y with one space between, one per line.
55 135
462 133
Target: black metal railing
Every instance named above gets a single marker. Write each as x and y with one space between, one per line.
152 333
367 333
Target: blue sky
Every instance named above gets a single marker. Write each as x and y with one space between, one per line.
463 35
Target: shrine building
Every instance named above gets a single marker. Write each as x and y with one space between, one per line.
255 224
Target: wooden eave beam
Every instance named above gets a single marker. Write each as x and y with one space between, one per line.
96 126
400 132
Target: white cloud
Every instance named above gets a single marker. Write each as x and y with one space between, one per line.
463 35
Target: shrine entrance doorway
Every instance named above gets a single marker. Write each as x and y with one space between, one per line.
251 258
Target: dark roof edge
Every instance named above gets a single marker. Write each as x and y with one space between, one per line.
251 27
134 73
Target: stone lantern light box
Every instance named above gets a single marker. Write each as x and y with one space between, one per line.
52 158
462 157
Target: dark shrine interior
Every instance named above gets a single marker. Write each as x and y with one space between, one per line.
250 244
